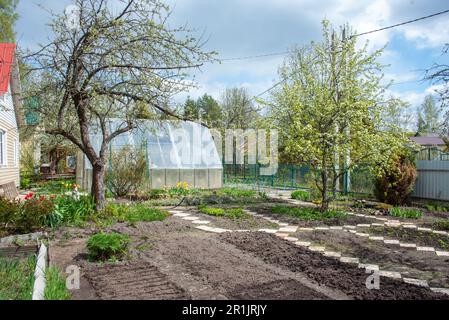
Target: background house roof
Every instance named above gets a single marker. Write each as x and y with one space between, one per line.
425 141
6 59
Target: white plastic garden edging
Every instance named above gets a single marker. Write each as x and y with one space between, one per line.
39 274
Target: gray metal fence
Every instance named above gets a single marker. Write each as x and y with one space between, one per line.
433 180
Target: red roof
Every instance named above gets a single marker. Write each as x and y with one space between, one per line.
6 60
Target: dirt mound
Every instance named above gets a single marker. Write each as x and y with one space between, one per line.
327 271
132 280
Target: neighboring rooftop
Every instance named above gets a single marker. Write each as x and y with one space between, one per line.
431 139
6 61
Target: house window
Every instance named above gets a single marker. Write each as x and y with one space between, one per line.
3 147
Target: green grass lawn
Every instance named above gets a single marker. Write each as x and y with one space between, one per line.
17 278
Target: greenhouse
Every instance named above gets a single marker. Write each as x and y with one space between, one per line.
176 151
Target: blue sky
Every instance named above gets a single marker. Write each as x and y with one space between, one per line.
237 28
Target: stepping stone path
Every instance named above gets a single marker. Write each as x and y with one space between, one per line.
285 230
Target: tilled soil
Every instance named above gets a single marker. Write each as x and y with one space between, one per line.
132 281
408 261
327 271
247 222
421 238
348 219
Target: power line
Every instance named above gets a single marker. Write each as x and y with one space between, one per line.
256 56
401 24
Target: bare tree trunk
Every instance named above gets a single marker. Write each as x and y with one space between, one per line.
324 195
98 188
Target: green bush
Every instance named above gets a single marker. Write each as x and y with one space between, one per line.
128 170
8 210
233 213
395 182
69 210
33 213
308 213
301 195
405 213
105 246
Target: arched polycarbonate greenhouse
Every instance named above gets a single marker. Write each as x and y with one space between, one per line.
175 151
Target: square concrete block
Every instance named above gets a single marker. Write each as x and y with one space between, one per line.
424 229
190 218
288 229
444 233
349 226
303 243
201 222
367 266
332 254
377 224
305 229
349 260
409 226
416 282
390 274
363 225
281 235
268 230
181 215
425 249
317 248
442 253
408 245
321 228
283 224
376 238
361 234
336 228
391 241
440 290
292 239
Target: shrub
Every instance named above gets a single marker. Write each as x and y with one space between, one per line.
128 170
68 209
211 211
308 213
8 210
33 213
405 213
181 190
395 182
301 195
105 246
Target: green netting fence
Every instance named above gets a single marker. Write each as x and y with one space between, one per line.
294 177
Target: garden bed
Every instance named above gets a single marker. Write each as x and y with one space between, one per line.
337 221
328 271
408 261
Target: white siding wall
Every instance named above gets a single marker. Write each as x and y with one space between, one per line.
10 171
